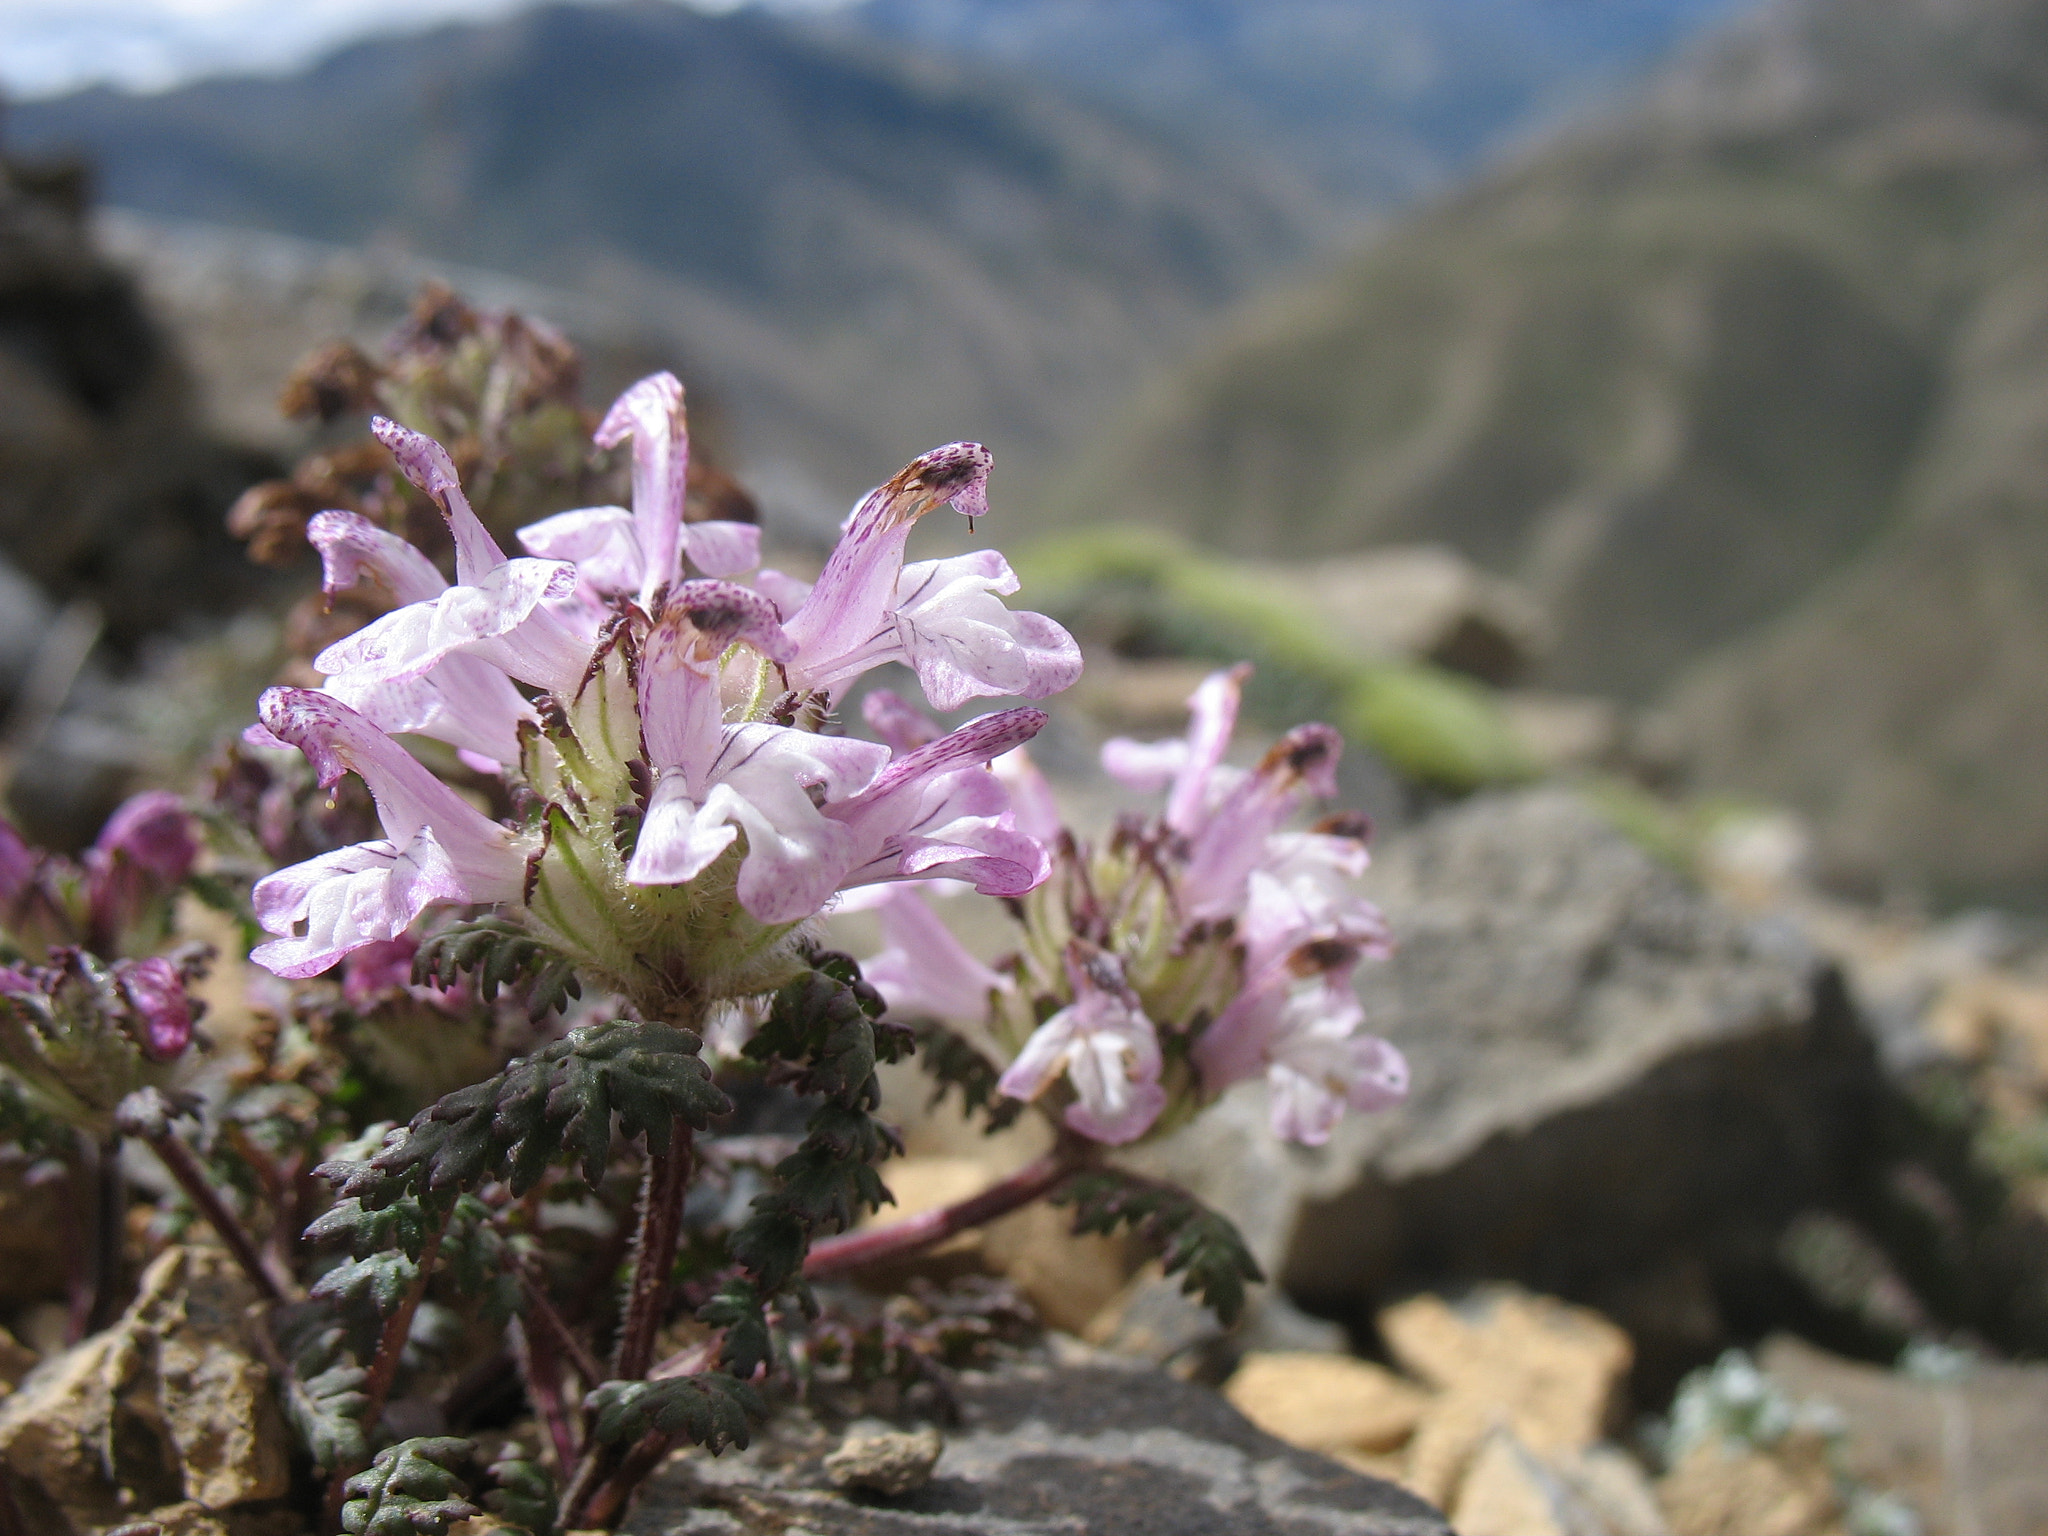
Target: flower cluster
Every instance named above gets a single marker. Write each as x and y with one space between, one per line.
88 1008
655 702
1180 955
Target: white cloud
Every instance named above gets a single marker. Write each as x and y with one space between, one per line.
51 46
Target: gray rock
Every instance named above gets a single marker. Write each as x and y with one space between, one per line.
1077 1450
1614 1078
1964 1452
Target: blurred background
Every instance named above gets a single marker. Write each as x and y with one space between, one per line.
1627 419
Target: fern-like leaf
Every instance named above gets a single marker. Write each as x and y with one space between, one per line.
711 1410
411 1489
522 1492
956 1065
378 1282
498 953
560 1102
1185 1233
324 1400
824 1033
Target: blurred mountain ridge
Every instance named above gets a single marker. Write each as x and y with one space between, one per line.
1366 104
1749 385
865 252
868 233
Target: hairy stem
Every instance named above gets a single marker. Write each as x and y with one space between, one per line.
110 1232
182 1165
561 1337
869 1245
661 1226
654 1258
384 1366
608 1501
540 1369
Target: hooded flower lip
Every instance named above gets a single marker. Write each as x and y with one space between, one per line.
939 812
713 780
1232 840
438 847
161 1013
351 546
942 618
494 610
1106 1048
461 700
637 554
145 850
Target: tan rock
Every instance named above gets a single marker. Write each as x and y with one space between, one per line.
922 1184
1722 1489
172 1404
1612 1486
214 1389
1508 1492
1965 1451
1554 1371
1068 1279
1326 1402
16 1359
187 1518
1446 1441
885 1460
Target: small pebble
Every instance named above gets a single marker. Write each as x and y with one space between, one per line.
878 1459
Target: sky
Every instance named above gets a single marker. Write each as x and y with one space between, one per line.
51 46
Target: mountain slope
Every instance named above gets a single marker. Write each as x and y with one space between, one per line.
1369 102
1750 385
863 253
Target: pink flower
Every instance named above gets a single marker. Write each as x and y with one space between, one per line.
1105 1047
640 553
714 781
495 610
437 847
461 699
161 1013
1294 1017
942 618
939 813
142 854
927 973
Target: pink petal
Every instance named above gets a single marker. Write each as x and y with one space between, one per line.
651 413
351 545
426 464
722 548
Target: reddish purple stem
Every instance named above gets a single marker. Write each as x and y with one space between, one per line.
869 1245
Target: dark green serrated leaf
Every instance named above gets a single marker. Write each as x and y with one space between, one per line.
956 1065
739 1310
410 1490
324 1400
378 1282
523 1493
1186 1234
822 1030
711 1410
476 1261
498 953
559 1102
404 1225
